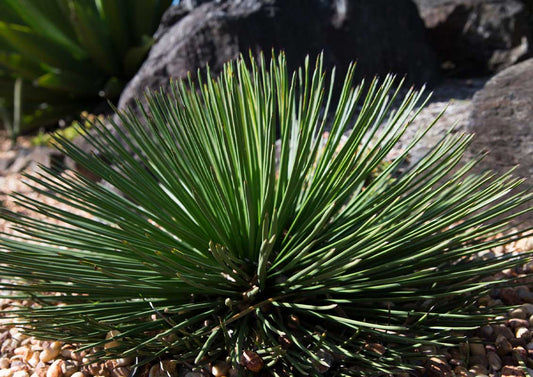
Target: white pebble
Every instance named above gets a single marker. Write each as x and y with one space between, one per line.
55 369
219 369
50 352
78 374
21 373
523 333
6 372
4 363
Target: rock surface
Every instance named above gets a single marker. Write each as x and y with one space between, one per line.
384 36
474 37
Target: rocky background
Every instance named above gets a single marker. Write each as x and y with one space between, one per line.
476 55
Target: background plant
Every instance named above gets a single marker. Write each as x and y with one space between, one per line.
70 53
281 259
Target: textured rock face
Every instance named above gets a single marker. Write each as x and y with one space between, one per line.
476 37
502 119
384 36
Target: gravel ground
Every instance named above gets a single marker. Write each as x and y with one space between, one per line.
507 352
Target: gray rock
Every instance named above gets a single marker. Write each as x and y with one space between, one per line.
477 37
384 36
502 114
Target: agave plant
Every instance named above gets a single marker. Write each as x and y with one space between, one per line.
70 53
206 239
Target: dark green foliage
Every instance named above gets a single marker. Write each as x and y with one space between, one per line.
71 53
221 245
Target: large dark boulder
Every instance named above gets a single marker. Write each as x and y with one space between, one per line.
477 37
382 35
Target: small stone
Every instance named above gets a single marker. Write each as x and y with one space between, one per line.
219 369
50 352
503 330
520 353
495 363
523 333
69 367
436 367
528 308
519 313
78 374
55 369
476 347
503 346
516 322
510 297
486 332
461 371
194 374
478 370
113 343
512 371
120 372
518 342
6 372
123 362
526 296
251 361
531 320
4 363
21 373
479 360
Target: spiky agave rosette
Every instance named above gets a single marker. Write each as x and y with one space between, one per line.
221 246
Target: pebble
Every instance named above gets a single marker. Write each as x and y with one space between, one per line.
519 313
55 369
523 333
494 360
436 367
219 369
4 363
476 347
461 371
504 331
516 322
503 346
478 370
21 373
51 352
512 371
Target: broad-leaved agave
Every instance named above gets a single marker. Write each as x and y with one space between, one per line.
210 240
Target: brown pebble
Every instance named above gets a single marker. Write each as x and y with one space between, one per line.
478 370
4 363
461 371
479 360
494 360
486 332
503 330
520 353
512 371
220 368
503 346
120 372
519 313
476 347
55 369
510 297
516 322
528 308
436 367
69 367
